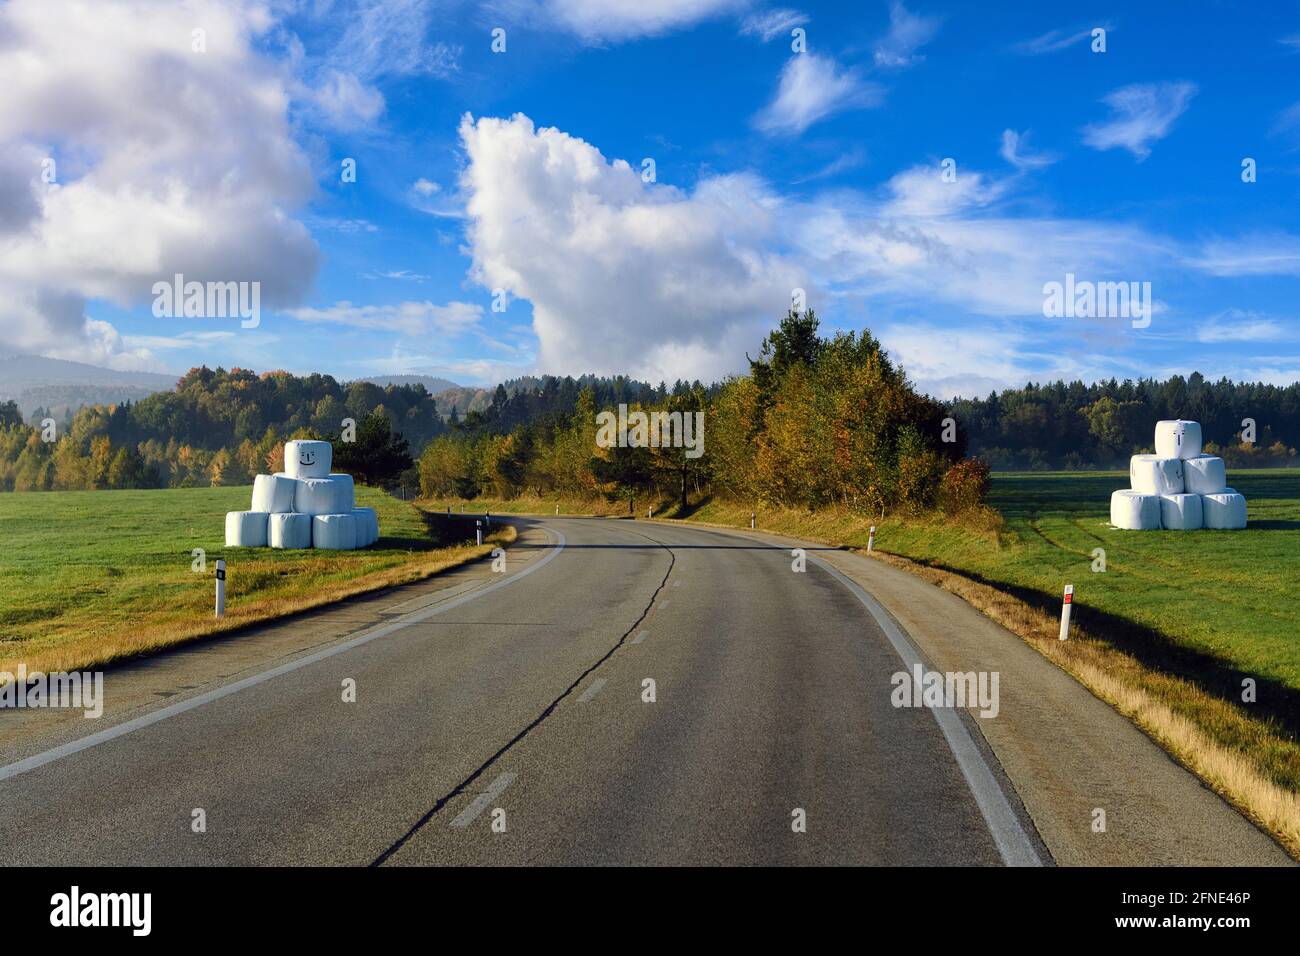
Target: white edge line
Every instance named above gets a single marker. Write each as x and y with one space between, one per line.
173 710
1013 843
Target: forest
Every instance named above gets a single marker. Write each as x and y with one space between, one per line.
816 421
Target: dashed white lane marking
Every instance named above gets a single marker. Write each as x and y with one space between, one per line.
592 691
640 636
383 630
481 802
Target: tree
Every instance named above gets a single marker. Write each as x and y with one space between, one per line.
377 457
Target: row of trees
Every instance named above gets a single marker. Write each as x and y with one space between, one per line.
817 422
1075 425
85 456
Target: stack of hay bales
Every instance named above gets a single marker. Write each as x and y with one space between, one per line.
304 506
1177 488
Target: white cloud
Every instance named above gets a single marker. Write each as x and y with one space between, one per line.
932 242
406 318
623 276
599 21
425 187
1240 325
770 24
345 101
1144 113
168 161
947 362
811 88
923 192
908 32
1013 151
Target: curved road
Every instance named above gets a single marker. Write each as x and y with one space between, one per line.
507 719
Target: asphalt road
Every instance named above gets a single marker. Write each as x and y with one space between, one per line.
507 719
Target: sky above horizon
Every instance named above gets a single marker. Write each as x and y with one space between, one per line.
633 187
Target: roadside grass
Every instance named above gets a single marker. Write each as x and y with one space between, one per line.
1166 635
92 577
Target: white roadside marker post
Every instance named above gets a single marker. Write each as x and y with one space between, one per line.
488 522
221 589
752 525
478 532
871 539
557 509
650 512
1067 603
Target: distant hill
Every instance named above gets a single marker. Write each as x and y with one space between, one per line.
57 385
432 384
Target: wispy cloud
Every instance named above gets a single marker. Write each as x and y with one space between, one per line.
429 197
1014 152
852 159
1238 325
407 318
389 38
1143 113
908 32
1251 255
1055 40
403 274
770 24
811 88
605 21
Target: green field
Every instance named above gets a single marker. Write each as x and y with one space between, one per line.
1227 594
89 576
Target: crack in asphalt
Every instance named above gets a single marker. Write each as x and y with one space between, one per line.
464 785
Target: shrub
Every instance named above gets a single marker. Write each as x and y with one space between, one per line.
964 485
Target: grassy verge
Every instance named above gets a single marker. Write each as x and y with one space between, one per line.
92 577
1166 634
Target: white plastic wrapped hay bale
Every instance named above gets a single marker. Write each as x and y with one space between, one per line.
1225 511
1178 439
245 529
1155 475
1180 512
331 495
334 532
367 526
289 530
273 493
1204 475
308 459
1134 511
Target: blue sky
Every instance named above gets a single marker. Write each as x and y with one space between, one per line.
517 177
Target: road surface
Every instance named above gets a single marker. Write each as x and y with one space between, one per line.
624 693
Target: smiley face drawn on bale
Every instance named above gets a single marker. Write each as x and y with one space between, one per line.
307 458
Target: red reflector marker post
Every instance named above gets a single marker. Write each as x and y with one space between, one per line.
1067 603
